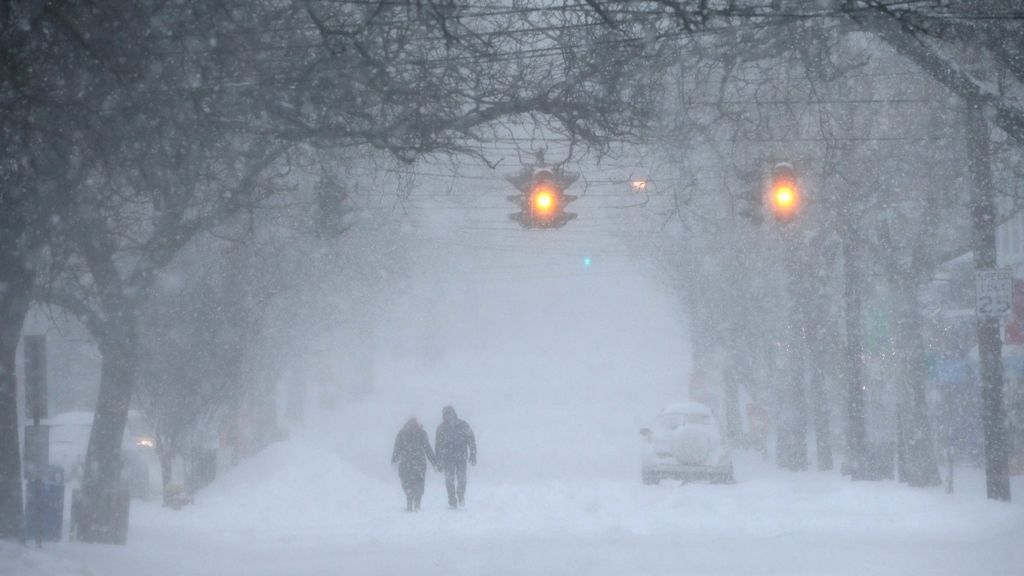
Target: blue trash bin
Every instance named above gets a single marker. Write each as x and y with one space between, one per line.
44 506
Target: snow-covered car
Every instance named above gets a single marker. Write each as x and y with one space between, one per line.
69 440
684 443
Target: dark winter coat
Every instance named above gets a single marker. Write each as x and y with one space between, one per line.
454 441
412 450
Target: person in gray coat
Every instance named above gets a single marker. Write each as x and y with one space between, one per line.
455 444
412 450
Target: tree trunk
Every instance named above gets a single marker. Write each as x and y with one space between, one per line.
101 486
852 279
166 456
731 400
819 397
920 465
16 283
791 438
990 346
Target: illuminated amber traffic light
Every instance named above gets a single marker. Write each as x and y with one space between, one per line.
784 196
543 201
542 197
784 199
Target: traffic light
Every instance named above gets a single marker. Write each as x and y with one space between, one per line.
542 197
784 195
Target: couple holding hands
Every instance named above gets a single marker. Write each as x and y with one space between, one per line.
455 446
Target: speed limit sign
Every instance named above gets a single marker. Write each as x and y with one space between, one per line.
994 289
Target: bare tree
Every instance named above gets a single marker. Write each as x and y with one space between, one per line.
774 87
42 120
199 114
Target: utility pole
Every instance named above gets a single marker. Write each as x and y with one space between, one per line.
990 345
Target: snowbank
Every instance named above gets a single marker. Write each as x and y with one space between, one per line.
298 509
310 496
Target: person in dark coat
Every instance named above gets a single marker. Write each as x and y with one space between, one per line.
412 450
455 442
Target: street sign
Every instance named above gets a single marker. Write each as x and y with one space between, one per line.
994 290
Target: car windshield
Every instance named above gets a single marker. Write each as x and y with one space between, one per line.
671 421
698 419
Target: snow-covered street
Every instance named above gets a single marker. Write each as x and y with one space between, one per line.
557 489
293 510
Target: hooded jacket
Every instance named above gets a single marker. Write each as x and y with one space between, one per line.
454 439
412 448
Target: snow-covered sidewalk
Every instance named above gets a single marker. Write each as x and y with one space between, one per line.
297 509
